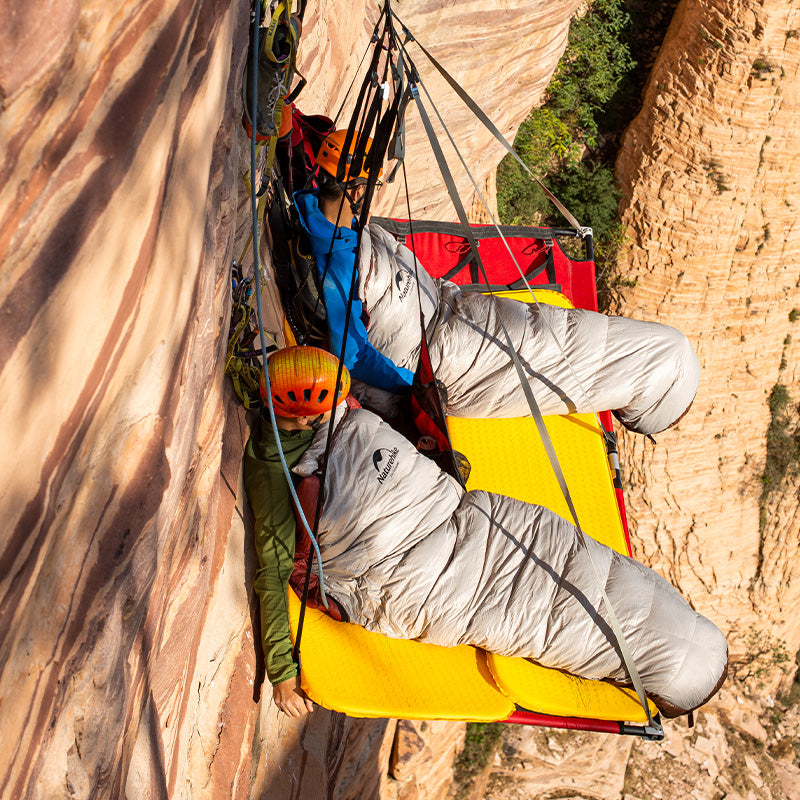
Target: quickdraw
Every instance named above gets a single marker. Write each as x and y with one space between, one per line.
241 359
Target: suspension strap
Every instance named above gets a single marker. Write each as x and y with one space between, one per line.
370 109
478 111
625 652
474 269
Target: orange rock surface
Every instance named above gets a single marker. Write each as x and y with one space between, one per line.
128 661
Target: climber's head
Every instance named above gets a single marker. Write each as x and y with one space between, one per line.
302 382
356 174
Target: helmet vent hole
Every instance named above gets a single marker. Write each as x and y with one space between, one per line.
292 396
306 395
277 399
322 395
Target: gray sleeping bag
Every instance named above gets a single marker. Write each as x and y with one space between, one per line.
576 360
407 552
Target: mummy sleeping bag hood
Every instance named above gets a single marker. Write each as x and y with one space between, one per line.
408 553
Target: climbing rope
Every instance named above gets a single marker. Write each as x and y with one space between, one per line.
257 274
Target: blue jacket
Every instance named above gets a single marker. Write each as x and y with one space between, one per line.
364 362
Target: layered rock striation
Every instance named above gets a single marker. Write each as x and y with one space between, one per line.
129 664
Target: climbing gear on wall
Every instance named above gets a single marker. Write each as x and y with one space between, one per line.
269 72
269 91
241 359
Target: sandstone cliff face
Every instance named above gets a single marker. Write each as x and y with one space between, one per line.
115 220
710 174
712 759
129 666
709 169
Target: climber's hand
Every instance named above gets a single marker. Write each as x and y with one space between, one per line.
291 699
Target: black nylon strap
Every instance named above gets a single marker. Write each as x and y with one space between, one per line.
374 160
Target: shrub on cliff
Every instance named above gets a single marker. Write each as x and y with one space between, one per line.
553 137
559 141
783 440
596 60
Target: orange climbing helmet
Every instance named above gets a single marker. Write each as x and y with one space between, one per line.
331 152
302 380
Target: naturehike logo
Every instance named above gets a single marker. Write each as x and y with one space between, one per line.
383 461
401 276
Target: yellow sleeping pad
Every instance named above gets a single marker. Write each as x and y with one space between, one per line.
363 674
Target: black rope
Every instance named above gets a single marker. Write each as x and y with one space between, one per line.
384 125
455 471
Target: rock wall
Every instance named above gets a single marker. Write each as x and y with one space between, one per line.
711 759
709 170
115 219
128 663
710 174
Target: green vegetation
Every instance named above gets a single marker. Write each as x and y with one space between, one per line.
763 654
713 168
783 445
480 744
792 696
561 141
793 315
761 67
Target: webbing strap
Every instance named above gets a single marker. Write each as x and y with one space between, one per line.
622 643
374 158
523 278
281 13
478 111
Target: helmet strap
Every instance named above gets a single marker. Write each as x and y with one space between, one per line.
355 205
315 423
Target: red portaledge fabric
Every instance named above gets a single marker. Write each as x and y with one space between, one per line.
442 252
572 723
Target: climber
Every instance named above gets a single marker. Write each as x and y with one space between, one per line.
265 484
407 552
646 372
